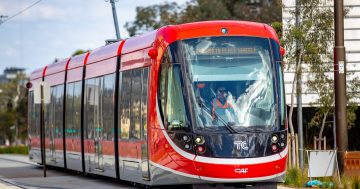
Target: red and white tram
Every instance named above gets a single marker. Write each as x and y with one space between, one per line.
186 104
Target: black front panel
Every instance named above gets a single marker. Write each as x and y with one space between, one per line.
243 145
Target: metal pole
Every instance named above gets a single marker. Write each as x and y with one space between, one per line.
334 130
299 95
340 83
42 130
115 20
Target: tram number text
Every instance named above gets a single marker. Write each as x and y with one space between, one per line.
241 170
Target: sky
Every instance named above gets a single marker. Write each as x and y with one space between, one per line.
57 28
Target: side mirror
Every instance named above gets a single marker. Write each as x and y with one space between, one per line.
152 53
282 51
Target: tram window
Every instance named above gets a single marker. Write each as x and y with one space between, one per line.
108 91
135 110
53 112
59 103
69 112
144 99
124 102
282 93
171 98
100 107
47 114
73 110
77 109
91 96
30 114
133 103
37 120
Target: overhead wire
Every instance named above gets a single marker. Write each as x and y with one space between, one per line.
20 12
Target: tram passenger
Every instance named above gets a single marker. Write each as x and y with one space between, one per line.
222 107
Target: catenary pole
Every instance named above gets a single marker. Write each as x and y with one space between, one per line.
340 83
112 2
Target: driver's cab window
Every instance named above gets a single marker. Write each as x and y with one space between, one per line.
171 96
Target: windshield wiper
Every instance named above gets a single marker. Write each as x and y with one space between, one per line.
204 107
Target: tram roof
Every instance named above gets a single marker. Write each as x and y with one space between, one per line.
164 35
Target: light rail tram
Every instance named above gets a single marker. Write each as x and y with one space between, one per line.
195 103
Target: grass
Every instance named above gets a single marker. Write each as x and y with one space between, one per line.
296 178
349 182
14 150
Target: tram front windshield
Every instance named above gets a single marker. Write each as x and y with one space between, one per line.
232 82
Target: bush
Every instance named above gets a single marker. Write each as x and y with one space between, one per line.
14 150
356 183
349 182
294 177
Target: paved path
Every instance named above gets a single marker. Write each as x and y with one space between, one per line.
17 172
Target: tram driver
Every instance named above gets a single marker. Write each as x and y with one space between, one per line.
222 107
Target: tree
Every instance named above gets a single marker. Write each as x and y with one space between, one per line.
13 108
79 51
155 16
309 47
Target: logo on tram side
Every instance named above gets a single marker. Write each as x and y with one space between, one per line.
241 170
241 145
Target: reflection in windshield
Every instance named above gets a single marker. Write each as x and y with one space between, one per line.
232 81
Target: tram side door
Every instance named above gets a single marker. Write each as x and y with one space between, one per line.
144 157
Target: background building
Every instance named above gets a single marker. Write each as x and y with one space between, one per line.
11 73
352 46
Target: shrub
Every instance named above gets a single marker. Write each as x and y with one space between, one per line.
294 177
14 150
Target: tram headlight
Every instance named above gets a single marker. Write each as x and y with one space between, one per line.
274 138
199 140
